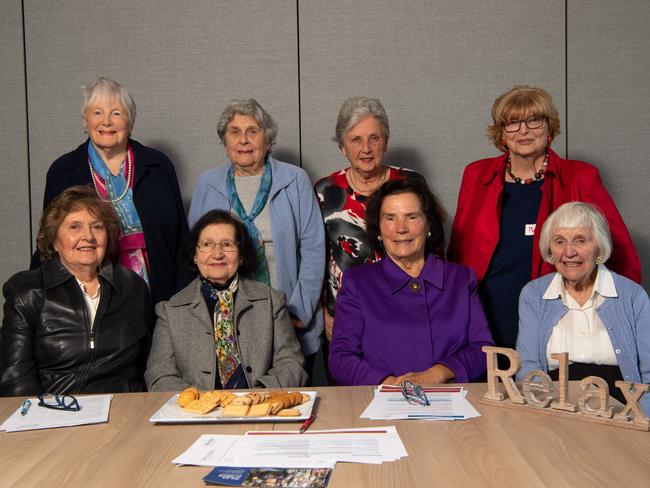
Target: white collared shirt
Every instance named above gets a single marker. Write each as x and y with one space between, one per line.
92 303
580 332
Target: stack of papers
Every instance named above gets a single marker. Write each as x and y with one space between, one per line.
94 410
290 449
446 403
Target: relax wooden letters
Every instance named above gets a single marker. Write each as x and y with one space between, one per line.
592 403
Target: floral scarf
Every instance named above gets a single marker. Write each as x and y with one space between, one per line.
231 372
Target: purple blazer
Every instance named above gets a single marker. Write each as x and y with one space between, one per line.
386 325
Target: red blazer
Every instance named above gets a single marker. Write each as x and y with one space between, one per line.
475 230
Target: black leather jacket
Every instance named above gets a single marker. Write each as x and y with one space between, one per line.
48 346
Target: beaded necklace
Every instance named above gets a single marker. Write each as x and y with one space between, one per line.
539 175
129 175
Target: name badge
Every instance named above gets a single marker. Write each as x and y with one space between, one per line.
529 229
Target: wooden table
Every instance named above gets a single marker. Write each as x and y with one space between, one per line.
501 448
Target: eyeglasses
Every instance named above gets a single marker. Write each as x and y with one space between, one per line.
414 394
534 122
59 402
208 246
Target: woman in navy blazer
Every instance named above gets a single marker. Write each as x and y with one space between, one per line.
149 181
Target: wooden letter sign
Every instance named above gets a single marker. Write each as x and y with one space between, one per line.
593 402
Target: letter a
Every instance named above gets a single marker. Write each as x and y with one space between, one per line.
601 392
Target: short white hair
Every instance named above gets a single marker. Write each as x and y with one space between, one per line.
572 215
106 89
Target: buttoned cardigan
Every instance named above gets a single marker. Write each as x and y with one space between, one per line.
626 319
298 239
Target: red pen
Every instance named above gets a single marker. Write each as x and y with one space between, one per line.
305 425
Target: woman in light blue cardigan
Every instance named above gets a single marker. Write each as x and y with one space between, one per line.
600 318
276 203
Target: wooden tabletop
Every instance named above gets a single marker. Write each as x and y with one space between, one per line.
502 448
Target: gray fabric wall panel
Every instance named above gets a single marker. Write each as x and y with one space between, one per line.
182 61
436 66
609 104
14 201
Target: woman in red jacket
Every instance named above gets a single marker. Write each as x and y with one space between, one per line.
503 202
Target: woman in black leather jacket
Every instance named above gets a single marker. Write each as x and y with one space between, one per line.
80 323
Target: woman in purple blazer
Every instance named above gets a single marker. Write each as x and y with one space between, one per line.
411 315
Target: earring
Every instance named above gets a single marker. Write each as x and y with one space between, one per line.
429 234
599 260
379 238
195 261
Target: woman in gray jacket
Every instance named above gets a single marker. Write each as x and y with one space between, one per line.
224 330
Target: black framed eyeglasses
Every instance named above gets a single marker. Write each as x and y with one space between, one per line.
534 122
414 394
59 402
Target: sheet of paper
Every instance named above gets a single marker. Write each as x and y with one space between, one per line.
314 448
207 450
94 410
445 404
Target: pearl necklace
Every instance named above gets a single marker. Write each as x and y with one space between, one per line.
129 175
539 175
356 188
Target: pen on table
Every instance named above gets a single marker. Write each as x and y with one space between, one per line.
25 408
305 425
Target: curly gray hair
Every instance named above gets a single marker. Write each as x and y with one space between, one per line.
253 109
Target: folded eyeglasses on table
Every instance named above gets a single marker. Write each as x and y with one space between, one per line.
414 394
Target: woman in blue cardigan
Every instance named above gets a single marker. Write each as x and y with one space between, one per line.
277 204
600 318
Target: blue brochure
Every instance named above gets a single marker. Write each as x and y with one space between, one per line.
285 477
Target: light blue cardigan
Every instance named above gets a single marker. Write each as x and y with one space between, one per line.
626 318
298 239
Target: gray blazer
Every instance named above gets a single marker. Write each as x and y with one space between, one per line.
183 351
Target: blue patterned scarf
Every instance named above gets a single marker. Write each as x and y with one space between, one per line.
132 247
262 272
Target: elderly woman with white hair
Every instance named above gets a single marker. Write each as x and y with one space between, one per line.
138 182
362 133
277 205
601 318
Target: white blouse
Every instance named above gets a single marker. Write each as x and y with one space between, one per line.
580 332
92 303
